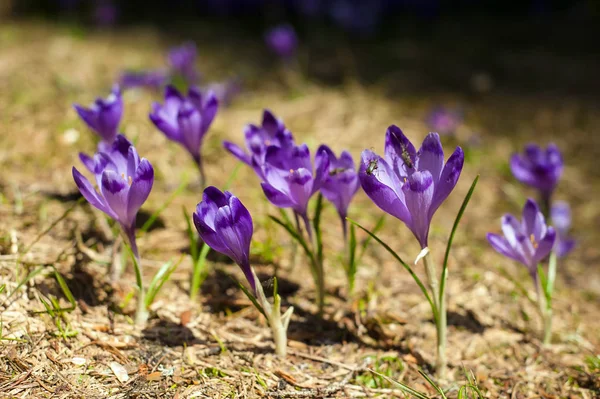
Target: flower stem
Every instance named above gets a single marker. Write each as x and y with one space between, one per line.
545 308
141 314
277 322
439 316
200 166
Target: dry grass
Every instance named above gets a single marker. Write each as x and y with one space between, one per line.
220 347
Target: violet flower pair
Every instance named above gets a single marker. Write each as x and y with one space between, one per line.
225 225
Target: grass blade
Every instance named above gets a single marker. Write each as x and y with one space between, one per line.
433 384
451 238
66 291
146 226
378 226
159 279
403 387
296 236
404 264
317 226
27 278
252 299
192 235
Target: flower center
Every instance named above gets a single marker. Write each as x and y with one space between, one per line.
533 242
129 179
267 142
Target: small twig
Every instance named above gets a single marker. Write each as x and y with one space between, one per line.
318 392
322 360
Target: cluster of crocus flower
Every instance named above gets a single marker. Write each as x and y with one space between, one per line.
123 179
290 178
531 241
186 119
225 225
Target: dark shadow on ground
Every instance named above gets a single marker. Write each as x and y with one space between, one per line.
170 334
467 320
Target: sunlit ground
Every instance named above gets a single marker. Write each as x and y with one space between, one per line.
341 93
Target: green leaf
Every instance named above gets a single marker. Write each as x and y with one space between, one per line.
252 299
27 278
232 176
295 236
66 291
159 279
451 238
378 226
404 264
403 387
156 214
433 384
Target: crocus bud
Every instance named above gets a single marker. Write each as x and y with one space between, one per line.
104 115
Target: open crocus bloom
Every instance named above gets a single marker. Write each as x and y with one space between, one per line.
527 241
282 40
538 168
104 115
124 182
271 132
407 184
186 120
225 225
289 180
182 60
341 182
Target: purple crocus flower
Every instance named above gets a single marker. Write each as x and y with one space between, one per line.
538 168
282 40
186 119
289 179
560 214
341 183
151 79
182 60
124 182
528 241
105 13
271 132
225 225
444 121
407 184
104 115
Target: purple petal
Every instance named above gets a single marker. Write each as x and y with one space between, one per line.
209 110
522 171
224 226
115 191
399 151
164 124
561 216
90 194
237 152
544 246
140 188
87 161
418 192
190 126
564 246
533 221
431 156
382 186
448 179
322 162
208 235
276 197
502 246
90 117
270 123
